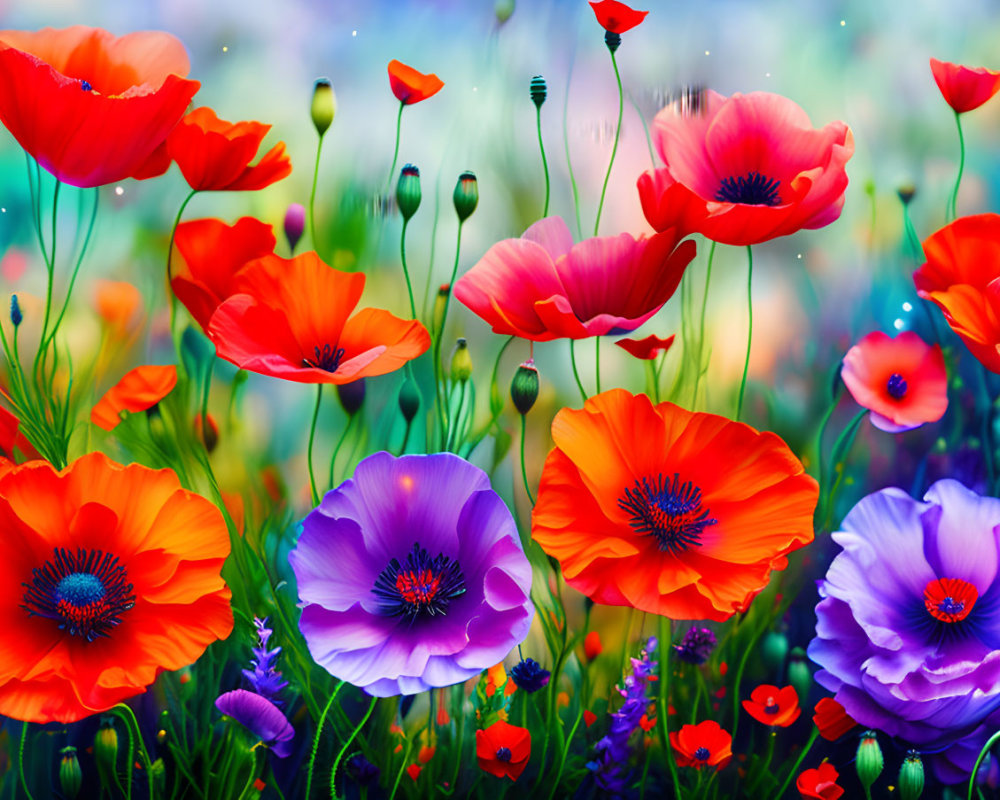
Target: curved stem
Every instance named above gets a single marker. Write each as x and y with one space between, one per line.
798 762
614 148
395 152
439 395
645 128
569 161
343 749
746 361
545 163
170 255
52 259
597 362
76 270
666 645
30 796
701 323
953 201
406 272
524 470
336 449
312 436
316 739
127 716
576 374
312 197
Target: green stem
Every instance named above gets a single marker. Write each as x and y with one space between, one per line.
312 196
336 449
701 323
316 739
953 201
597 362
798 762
982 754
76 270
614 148
524 470
666 645
569 161
52 260
170 255
395 152
24 782
406 272
739 678
128 717
545 163
576 374
439 396
840 449
312 436
746 361
343 749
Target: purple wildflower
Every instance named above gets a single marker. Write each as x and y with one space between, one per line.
362 770
529 675
696 646
261 717
412 575
264 678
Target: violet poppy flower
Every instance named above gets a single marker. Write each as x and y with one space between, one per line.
261 717
411 575
908 629
543 287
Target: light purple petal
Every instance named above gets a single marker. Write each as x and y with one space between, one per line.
261 717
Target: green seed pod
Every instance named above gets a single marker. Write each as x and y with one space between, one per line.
538 90
799 674
466 195
70 776
911 776
773 650
524 387
106 753
324 105
409 399
869 761
408 191
461 362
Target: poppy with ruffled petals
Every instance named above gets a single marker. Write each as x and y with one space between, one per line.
702 745
901 380
964 88
963 263
110 575
140 389
291 319
617 17
543 287
669 511
91 107
503 750
776 707
411 86
215 155
745 169
819 783
209 254
831 719
648 348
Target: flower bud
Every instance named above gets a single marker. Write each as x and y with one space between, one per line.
524 387
15 311
911 776
295 224
437 315
409 399
158 771
352 395
774 648
799 674
408 191
466 195
538 90
461 362
324 105
869 761
503 9
207 433
70 776
106 752
612 40
906 193
592 646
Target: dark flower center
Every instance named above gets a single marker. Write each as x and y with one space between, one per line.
327 359
896 386
419 587
950 599
702 754
668 510
771 706
503 754
85 85
86 593
752 189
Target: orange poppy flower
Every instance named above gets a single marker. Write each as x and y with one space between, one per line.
831 719
503 750
110 576
289 319
776 707
673 512
91 107
702 745
12 441
214 155
117 302
964 88
411 86
210 254
648 348
963 263
140 389
617 17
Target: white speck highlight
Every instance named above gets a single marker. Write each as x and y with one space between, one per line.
843 22
798 255
225 49
707 53
354 33
907 307
898 324
119 191
767 74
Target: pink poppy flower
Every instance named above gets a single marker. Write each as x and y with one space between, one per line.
901 380
543 287
745 169
964 88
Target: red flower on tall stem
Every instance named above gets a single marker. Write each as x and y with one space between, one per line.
820 783
964 88
91 107
617 17
503 750
776 707
411 86
702 745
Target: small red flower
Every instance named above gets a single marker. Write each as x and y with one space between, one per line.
414 771
773 706
426 754
701 745
820 783
411 86
503 749
592 646
647 723
589 717
831 719
964 88
617 17
648 348
140 389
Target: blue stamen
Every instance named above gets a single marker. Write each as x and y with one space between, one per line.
896 387
702 754
86 86
419 587
503 754
668 510
327 359
753 189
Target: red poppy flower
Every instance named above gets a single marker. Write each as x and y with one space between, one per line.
963 263
140 389
592 646
411 86
589 717
669 511
13 444
901 380
831 719
288 318
503 749
745 169
543 287
91 107
110 576
964 88
617 17
702 745
820 783
215 155
414 771
776 707
648 348
210 254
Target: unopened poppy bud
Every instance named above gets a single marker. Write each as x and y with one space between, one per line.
352 395
524 387
158 772
466 195
324 105
70 776
911 776
869 761
592 646
437 317
461 362
612 40
409 399
503 9
538 90
208 432
408 191
295 224
15 311
906 193
799 674
774 648
106 752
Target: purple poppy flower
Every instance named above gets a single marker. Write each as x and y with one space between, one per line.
908 630
411 575
261 717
